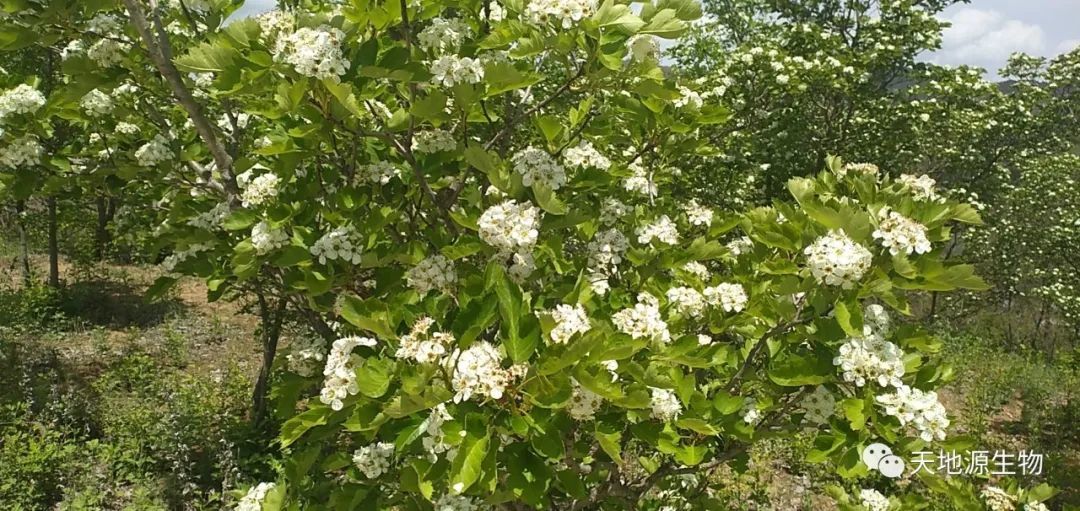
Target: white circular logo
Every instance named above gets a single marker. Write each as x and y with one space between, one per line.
891 466
873 453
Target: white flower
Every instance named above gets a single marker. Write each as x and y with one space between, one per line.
433 141
522 264
688 99
450 70
920 409
606 250
96 103
266 239
583 403
729 296
819 405
433 273
306 356
210 220
126 128
422 346
450 502
537 166
259 190
565 13
74 47
698 214
643 320
380 172
612 210
374 460
868 169
444 35
876 321
704 340
901 234
836 260
510 226
342 243
662 230
478 372
643 48
997 499
23 99
496 12
665 405
314 52
922 187
585 155
750 413
872 500
153 152
252 501
104 24
686 301
599 284
1035 506
108 52
435 440
741 245
569 320
783 79
696 269
871 359
24 151
274 23
340 371
640 182
179 256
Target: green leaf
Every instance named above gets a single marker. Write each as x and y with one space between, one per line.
161 286
466 468
796 370
207 57
850 319
698 426
853 410
618 17
610 439
295 427
665 24
240 219
291 256
520 343
370 315
373 378
547 200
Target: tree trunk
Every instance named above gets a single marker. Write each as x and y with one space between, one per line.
105 211
54 250
24 244
271 318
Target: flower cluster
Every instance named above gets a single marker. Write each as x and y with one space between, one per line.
450 70
569 320
643 320
688 99
698 214
612 210
665 405
96 103
922 187
153 152
374 460
478 372
433 141
872 500
662 230
920 409
866 169
606 250
306 356
510 226
314 52
696 269
997 499
24 151
640 181
339 244
179 256
210 220
422 346
23 99
340 371
565 13
434 272
902 235
435 440
819 405
871 358
108 52
686 301
729 296
380 172
836 260
537 166
585 155
127 128
450 502
740 245
252 501
258 190
583 403
444 35
266 239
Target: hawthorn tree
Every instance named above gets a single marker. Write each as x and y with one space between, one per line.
467 201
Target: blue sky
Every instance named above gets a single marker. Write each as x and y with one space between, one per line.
983 34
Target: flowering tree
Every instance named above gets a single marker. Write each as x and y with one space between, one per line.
466 200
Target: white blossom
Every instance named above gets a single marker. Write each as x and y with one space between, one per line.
697 214
478 372
96 103
380 172
537 166
252 501
306 356
585 155
510 226
435 272
688 99
423 346
612 210
640 181
921 187
433 141
729 296
872 500
606 250
23 99
108 52
583 403
686 301
24 151
374 460
314 52
920 409
565 13
569 320
444 35
450 70
740 245
902 235
449 502
997 499
342 243
266 239
696 269
872 359
643 320
210 220
662 230
866 169
836 260
665 405
340 371
258 190
153 152
127 128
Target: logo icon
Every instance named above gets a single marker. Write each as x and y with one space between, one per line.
881 458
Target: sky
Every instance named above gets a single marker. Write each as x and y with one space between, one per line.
984 32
